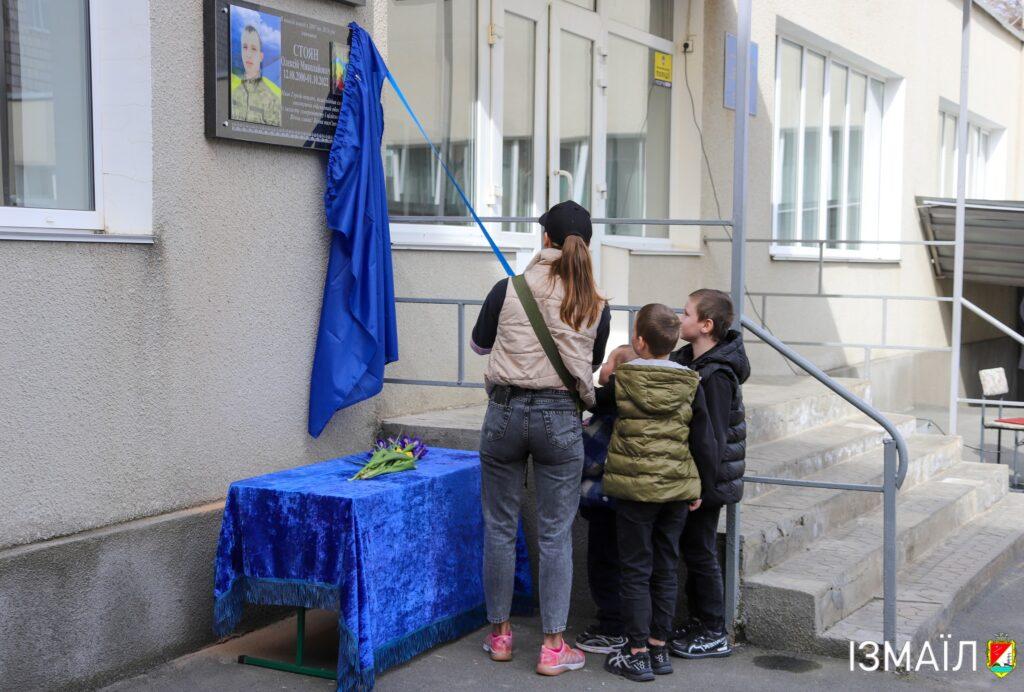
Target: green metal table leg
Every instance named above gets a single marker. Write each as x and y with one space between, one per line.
297 667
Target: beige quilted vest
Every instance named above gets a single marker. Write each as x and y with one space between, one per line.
518 359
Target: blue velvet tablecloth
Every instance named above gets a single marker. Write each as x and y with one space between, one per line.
399 556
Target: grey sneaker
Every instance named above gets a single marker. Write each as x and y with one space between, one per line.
594 643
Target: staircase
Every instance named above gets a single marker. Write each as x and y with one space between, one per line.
811 559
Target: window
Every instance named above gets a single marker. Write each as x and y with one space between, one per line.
637 154
517 160
828 154
46 129
978 155
435 62
651 16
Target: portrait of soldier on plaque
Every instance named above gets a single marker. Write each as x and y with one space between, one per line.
255 66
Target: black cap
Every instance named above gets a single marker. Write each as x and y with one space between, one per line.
566 219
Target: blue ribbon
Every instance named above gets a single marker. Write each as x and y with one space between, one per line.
440 159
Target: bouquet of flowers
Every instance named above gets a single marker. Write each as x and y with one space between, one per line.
392 455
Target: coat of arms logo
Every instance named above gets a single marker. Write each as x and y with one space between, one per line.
1001 656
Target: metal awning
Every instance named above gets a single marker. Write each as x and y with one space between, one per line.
993 238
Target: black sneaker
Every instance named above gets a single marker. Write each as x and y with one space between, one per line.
594 643
661 664
702 644
635 667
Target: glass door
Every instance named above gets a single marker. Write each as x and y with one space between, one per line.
518 111
577 51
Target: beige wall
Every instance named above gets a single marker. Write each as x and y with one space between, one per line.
928 61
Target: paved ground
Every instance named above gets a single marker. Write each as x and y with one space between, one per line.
461 665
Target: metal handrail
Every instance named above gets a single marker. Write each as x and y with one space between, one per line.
601 221
854 400
993 321
893 473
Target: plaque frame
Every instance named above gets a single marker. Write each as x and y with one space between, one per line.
318 133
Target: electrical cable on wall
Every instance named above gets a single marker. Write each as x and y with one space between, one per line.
714 192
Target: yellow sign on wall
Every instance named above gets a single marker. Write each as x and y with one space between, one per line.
663 69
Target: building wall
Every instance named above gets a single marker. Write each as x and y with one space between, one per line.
139 381
876 31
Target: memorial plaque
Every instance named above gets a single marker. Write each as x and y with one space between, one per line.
271 76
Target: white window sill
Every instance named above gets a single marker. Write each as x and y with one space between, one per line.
457 238
832 257
648 246
54 235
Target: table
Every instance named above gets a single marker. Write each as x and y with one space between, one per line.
398 556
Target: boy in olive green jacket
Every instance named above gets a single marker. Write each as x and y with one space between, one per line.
661 450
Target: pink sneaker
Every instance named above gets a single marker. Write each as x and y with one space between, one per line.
499 646
558 661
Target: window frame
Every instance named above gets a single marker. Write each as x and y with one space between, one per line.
488 109
884 206
989 132
120 92
468 237
56 220
627 32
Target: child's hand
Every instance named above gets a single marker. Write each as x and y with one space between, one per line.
695 505
619 355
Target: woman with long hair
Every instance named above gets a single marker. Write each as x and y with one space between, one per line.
532 413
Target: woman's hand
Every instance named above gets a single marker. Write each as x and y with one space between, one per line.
695 505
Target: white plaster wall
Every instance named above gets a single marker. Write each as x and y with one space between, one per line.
135 380
928 59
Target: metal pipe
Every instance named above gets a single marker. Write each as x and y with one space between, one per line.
858 403
849 296
961 194
741 123
851 241
850 344
1011 404
867 487
890 483
603 221
993 321
433 383
885 318
462 342
821 268
439 301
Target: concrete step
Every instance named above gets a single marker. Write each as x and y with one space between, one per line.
941 582
806 452
799 599
777 407
781 523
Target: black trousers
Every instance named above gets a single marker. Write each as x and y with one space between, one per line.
649 536
603 568
705 593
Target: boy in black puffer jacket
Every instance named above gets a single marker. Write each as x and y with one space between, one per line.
716 352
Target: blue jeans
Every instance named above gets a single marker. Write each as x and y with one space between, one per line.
542 424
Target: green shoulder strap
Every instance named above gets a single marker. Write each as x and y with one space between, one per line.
547 342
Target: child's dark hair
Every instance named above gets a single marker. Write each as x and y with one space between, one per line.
716 306
659 326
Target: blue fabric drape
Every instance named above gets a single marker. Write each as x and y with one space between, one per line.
358 334
400 556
